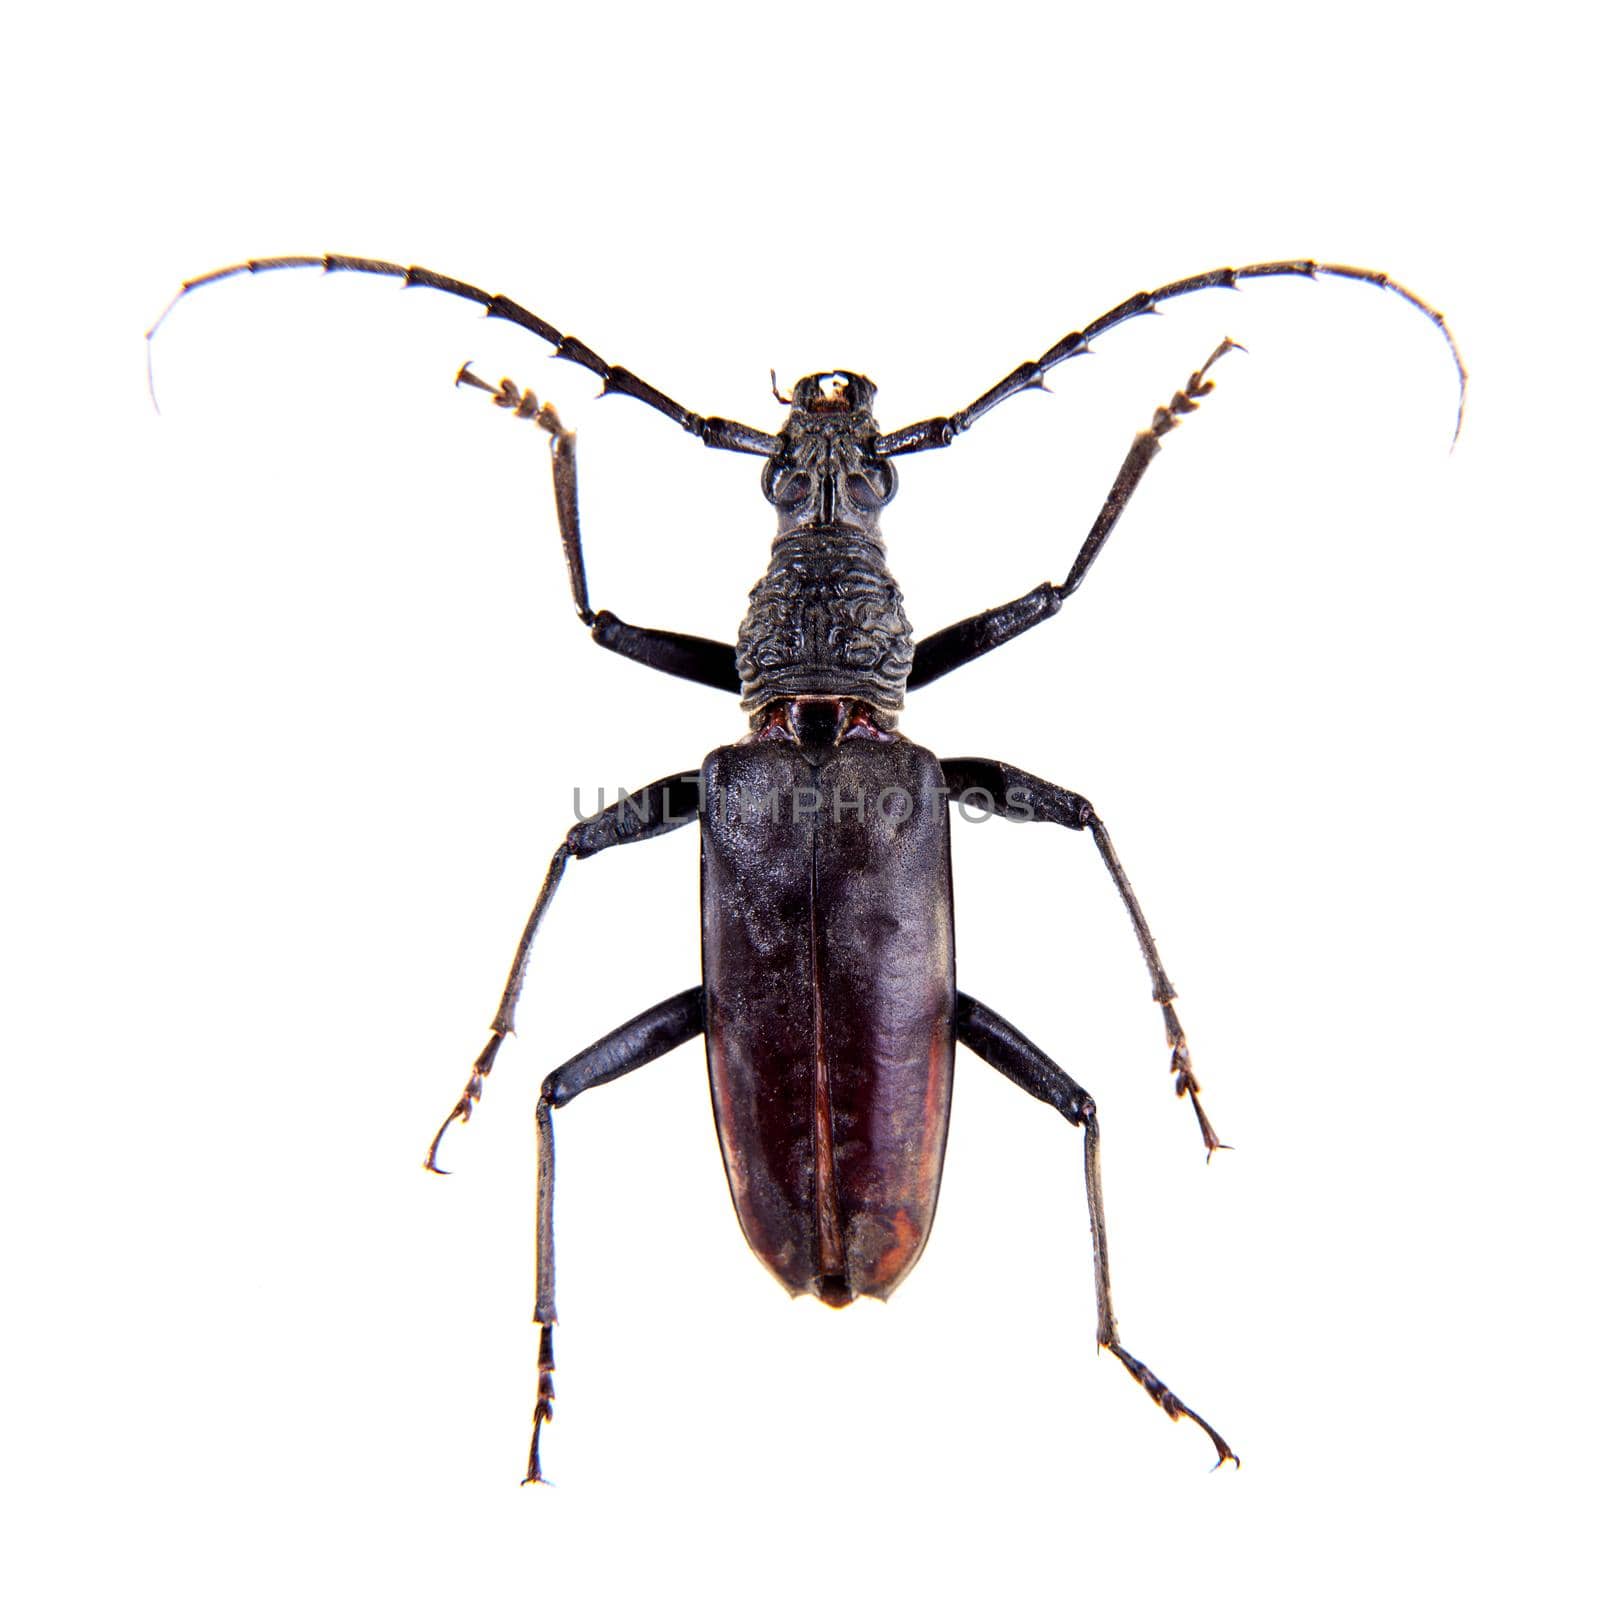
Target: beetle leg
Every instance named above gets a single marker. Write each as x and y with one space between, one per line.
989 1036
1020 797
648 1036
658 809
965 641
933 433
680 654
1162 992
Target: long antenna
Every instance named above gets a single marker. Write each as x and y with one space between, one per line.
716 432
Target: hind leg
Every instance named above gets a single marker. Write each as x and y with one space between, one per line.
635 1044
990 1036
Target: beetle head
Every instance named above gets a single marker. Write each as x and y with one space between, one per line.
826 472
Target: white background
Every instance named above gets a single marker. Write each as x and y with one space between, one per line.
296 705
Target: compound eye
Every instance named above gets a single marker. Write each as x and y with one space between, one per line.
870 489
793 490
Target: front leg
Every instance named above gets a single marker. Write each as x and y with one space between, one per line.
965 641
1020 797
682 655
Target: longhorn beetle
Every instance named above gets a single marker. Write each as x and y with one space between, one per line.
829 1002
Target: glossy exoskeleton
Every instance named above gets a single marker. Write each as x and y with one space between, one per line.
829 1002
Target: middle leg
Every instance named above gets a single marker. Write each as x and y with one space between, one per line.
1019 796
665 805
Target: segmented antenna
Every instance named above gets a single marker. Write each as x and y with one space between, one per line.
932 433
716 432
935 432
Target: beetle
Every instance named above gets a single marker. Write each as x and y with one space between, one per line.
828 999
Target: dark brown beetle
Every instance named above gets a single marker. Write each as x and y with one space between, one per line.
829 1000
